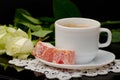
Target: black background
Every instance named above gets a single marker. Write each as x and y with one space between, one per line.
101 10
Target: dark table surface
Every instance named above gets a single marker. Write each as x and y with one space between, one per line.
12 74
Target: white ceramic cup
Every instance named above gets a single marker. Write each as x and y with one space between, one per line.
82 36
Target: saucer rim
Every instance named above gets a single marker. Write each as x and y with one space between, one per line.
81 66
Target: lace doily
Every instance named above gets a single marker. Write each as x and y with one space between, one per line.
65 74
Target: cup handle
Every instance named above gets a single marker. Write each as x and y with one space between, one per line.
109 38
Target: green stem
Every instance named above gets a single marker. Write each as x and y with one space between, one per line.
110 22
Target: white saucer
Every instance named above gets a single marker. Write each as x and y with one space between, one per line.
103 58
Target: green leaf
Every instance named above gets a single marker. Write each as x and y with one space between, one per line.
65 8
32 19
35 41
47 19
41 33
19 17
29 34
116 35
22 11
4 62
22 15
110 22
52 26
32 26
18 68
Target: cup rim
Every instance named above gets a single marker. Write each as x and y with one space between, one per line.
97 23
